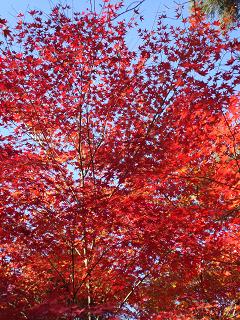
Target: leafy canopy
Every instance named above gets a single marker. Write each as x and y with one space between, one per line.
119 168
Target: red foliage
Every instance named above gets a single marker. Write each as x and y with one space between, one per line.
119 169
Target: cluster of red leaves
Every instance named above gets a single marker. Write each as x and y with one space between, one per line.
119 169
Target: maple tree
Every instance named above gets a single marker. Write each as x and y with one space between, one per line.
119 168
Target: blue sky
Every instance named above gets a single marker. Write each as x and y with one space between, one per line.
149 9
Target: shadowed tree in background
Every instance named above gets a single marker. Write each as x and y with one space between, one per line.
119 169
228 10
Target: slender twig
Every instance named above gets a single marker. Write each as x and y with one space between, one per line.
129 8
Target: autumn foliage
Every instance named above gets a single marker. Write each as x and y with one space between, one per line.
119 168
